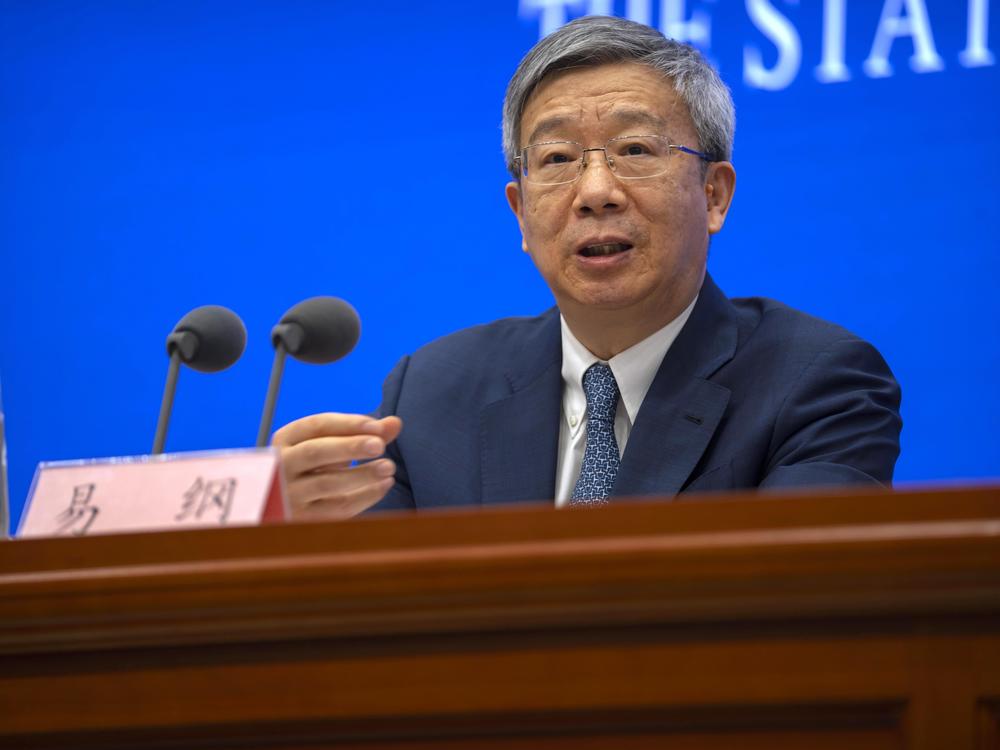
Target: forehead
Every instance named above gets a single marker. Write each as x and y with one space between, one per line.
604 97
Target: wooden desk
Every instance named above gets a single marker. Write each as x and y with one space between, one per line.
858 620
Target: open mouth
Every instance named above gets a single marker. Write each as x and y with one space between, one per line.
609 248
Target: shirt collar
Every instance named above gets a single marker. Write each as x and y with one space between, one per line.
634 368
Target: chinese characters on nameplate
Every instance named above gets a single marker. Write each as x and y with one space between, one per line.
154 493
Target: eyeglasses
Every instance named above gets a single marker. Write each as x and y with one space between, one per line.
630 157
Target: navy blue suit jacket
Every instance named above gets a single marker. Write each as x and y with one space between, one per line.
751 394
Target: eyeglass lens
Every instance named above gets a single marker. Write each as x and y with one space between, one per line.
629 156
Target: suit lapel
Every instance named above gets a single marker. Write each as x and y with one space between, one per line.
682 409
520 433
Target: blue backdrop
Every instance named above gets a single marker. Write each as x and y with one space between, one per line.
161 155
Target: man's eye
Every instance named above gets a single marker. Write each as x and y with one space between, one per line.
634 149
557 158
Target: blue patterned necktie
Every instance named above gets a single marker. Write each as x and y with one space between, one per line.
600 457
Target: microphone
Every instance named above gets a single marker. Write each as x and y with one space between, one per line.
207 339
317 330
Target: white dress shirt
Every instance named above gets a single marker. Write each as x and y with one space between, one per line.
633 369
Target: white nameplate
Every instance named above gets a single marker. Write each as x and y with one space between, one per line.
154 493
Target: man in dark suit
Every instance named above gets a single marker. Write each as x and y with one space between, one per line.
646 380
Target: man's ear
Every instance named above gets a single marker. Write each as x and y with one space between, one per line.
720 184
513 192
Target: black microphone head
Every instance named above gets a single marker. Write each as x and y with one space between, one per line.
318 330
209 338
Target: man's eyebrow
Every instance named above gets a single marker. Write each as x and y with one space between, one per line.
557 123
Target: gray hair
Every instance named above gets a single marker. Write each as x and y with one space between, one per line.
600 40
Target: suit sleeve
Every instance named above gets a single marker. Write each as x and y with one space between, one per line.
400 497
839 423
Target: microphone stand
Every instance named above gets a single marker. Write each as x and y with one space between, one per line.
4 495
271 400
167 405
182 345
286 337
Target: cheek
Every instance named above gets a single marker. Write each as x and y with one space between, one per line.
543 218
536 217
678 213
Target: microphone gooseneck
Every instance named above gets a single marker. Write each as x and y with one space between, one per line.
318 330
208 339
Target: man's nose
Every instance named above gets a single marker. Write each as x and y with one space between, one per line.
597 189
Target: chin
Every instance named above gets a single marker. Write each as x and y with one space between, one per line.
605 299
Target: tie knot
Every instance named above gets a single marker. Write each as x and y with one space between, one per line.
601 389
